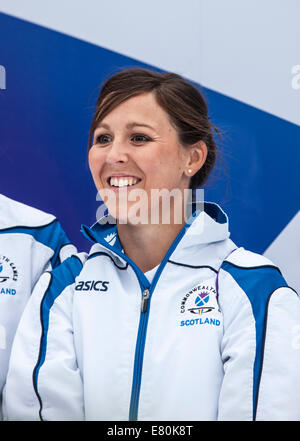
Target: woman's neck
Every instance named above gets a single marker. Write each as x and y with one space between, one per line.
147 244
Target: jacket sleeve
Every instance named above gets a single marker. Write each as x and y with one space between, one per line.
261 344
44 381
51 247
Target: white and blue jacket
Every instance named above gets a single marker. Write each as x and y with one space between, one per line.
211 334
31 242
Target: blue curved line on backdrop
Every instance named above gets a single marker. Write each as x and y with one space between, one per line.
52 81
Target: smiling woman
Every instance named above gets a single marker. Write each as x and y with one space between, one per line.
162 320
131 158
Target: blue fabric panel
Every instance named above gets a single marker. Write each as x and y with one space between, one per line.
258 285
61 277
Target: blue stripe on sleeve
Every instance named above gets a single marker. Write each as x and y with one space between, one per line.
258 284
61 277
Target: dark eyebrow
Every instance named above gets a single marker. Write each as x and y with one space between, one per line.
136 124
128 126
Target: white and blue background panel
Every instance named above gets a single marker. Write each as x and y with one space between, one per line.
243 55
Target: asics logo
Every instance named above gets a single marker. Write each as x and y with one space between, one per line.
92 285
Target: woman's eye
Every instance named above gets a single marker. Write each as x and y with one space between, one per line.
138 139
103 139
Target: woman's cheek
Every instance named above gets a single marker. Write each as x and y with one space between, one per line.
95 164
95 159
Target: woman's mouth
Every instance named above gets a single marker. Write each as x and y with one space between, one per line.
116 182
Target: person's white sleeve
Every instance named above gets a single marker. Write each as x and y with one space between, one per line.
261 345
44 382
279 390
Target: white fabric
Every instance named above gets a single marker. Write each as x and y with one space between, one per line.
193 364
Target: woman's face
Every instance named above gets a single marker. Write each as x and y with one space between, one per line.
135 151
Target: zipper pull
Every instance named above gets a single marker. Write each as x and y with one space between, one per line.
145 298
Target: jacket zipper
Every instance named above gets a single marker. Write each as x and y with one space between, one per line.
139 355
141 338
145 300
144 316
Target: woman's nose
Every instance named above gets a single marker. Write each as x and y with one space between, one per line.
117 153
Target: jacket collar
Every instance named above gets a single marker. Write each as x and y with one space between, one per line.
206 225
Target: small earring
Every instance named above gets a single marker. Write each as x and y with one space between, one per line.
190 170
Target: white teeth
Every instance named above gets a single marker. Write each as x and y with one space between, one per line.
122 182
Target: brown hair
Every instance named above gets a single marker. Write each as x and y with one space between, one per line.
184 104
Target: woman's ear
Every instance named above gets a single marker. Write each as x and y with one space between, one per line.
197 158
